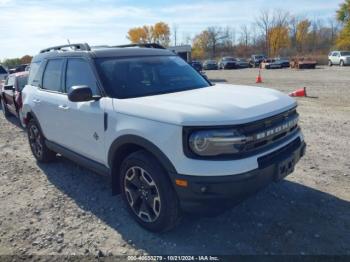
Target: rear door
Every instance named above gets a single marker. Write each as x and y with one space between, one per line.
48 97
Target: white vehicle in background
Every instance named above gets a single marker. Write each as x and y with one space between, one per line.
341 58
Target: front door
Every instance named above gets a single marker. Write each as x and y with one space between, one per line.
83 122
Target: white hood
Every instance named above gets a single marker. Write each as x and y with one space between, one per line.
221 104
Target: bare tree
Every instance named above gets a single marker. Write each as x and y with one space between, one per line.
293 29
186 39
245 35
334 27
215 36
280 18
264 22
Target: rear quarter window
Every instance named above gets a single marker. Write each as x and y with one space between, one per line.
34 76
21 82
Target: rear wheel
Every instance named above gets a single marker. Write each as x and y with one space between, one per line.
148 193
37 143
5 111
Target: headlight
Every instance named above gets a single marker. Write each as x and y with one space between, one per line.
216 142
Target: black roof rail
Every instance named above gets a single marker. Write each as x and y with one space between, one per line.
145 45
74 47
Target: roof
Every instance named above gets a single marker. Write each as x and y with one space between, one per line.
130 51
107 52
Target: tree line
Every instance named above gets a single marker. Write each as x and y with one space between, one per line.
13 62
273 33
276 33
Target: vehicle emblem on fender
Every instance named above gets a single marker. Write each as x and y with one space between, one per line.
96 136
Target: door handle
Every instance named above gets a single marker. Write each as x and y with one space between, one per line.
63 107
37 101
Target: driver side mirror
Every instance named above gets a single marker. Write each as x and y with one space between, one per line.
9 88
80 94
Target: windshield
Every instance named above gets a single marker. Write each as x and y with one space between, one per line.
144 76
22 81
345 53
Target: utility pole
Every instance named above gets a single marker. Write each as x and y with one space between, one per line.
175 27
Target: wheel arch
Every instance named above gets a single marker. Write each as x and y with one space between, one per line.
29 116
127 144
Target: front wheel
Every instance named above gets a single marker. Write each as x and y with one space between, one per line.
330 63
37 143
148 193
341 63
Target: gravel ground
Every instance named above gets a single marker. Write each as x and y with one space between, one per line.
61 208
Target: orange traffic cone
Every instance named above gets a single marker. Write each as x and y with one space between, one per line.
259 78
299 93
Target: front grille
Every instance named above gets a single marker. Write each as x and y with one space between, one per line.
256 143
270 130
269 159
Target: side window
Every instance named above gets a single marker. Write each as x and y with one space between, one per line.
52 75
79 73
34 76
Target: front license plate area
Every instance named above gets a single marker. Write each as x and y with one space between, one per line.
285 167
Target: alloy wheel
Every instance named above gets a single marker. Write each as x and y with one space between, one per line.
142 194
35 141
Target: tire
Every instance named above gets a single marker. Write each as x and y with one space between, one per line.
341 63
37 143
330 63
5 111
142 180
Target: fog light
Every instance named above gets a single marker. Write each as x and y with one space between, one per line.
204 189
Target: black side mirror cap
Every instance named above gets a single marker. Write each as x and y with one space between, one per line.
9 88
80 94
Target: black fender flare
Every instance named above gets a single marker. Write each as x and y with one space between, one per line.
36 120
123 143
143 143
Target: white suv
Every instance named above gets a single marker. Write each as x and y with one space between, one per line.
341 58
170 140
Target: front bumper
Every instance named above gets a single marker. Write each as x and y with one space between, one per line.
215 193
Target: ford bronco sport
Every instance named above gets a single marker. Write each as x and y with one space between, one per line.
170 140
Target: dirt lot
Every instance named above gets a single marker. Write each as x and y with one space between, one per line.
61 208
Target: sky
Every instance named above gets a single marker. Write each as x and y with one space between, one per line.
27 26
